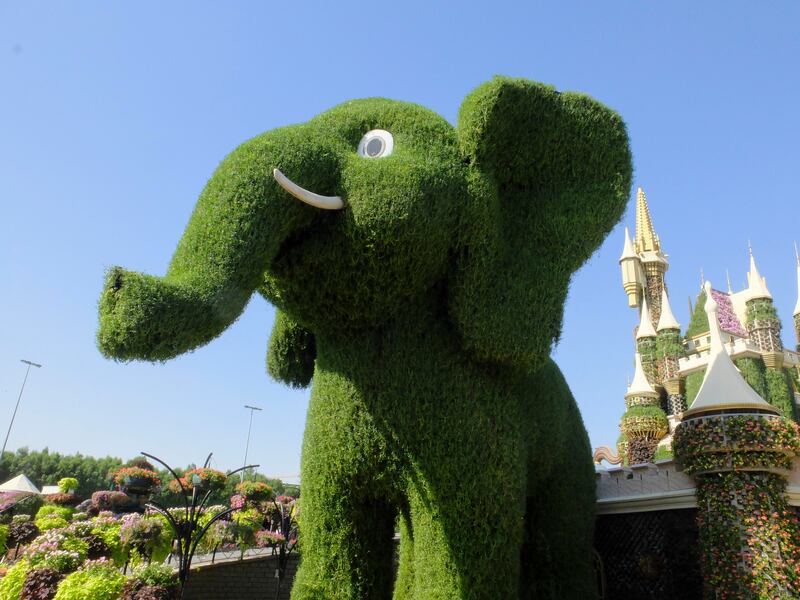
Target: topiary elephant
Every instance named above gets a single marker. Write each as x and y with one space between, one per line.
419 272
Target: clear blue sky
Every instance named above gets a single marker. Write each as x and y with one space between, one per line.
113 115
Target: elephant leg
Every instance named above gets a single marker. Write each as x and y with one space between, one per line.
465 546
347 506
557 552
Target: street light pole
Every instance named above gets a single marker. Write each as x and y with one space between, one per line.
249 427
22 389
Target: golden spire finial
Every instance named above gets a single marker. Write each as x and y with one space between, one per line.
646 238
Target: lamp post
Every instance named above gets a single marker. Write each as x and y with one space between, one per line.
249 427
22 389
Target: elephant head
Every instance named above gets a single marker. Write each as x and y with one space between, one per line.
343 220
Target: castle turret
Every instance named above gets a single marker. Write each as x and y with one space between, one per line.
644 423
632 274
738 448
654 262
669 350
646 344
762 322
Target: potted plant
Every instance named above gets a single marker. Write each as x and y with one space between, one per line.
136 480
202 478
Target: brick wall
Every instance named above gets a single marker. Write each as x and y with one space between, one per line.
252 579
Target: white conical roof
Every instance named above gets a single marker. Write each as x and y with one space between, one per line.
640 386
723 386
645 324
627 249
20 483
797 306
666 320
756 284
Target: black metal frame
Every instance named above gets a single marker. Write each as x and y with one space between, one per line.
187 532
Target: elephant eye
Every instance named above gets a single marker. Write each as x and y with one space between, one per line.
376 144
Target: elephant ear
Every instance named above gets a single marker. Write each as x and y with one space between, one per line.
549 177
291 353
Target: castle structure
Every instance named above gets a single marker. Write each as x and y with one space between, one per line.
670 363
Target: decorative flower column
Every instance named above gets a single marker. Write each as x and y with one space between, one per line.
644 423
738 448
669 350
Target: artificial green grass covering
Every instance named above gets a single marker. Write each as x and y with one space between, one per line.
699 322
423 312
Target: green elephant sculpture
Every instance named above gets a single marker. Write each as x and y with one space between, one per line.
419 272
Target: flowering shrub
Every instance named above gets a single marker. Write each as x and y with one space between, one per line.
156 575
65 484
266 538
204 478
254 491
61 561
143 535
238 501
40 584
50 542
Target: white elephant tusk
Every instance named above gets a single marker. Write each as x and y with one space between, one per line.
302 194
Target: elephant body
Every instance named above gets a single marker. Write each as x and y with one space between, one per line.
420 272
461 454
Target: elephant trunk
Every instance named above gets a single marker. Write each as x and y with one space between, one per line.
239 223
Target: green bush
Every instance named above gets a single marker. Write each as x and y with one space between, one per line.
3 538
65 512
51 522
95 581
65 484
156 574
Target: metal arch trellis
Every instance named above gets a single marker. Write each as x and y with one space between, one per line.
187 531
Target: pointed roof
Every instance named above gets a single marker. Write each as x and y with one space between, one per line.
645 324
20 483
627 249
797 306
640 386
666 319
723 386
756 284
646 238
698 322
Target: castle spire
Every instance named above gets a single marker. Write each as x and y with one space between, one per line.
645 324
666 320
646 238
756 284
723 386
640 386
